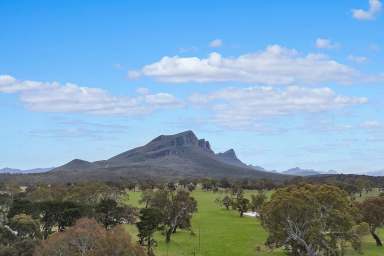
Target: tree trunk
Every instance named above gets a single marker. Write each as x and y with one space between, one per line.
149 246
241 213
311 253
168 234
377 238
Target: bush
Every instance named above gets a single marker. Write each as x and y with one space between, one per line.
89 238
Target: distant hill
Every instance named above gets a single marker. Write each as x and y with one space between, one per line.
301 172
376 173
9 170
15 171
165 157
331 172
310 172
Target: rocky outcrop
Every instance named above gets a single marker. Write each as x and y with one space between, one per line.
170 156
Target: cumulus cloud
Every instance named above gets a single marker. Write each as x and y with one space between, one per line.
6 79
324 43
9 84
370 14
55 97
216 43
243 107
275 65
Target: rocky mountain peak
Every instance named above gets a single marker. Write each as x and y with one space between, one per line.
187 138
230 157
230 154
177 155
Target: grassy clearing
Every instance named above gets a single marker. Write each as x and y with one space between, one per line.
369 246
224 233
364 195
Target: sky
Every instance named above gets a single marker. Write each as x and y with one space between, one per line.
284 83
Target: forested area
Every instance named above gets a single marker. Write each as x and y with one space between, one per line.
299 217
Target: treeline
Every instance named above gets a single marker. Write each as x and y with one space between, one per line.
85 219
236 200
352 184
31 217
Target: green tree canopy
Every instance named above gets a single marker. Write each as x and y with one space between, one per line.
372 211
309 219
150 219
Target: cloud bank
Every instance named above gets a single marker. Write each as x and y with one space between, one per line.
71 98
275 65
243 107
230 107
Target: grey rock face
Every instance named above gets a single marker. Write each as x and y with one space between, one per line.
178 155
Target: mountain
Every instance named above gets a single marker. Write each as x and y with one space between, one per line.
165 157
9 170
230 157
15 171
301 172
259 168
331 172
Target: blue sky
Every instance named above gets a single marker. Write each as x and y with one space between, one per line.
284 83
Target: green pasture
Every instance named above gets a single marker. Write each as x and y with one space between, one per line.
218 232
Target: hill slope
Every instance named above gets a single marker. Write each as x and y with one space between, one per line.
301 172
165 157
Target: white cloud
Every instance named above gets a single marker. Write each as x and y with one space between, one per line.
216 43
9 84
5 80
323 43
276 65
357 59
370 14
243 107
54 97
161 99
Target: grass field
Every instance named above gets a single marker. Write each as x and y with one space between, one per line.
372 193
218 232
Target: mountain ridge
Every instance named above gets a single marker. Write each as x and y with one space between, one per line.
297 171
8 170
167 156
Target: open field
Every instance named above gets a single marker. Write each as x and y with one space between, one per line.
374 192
224 233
